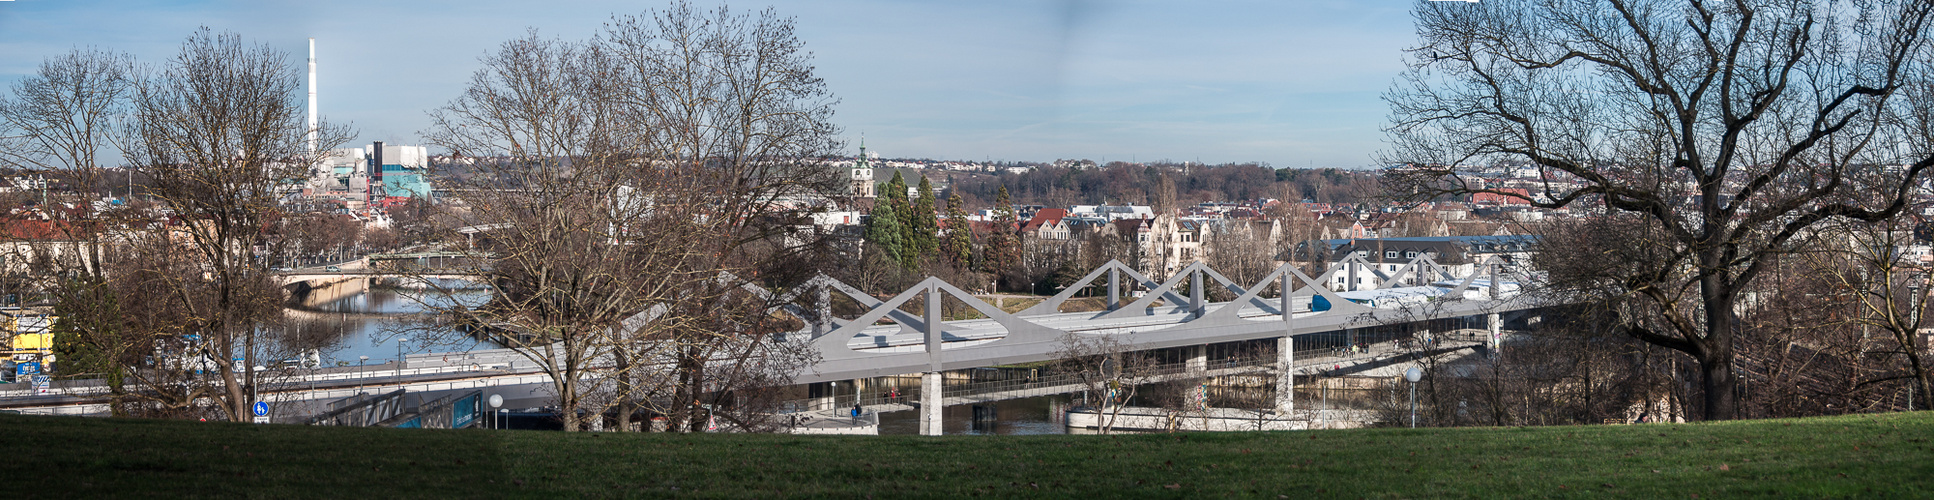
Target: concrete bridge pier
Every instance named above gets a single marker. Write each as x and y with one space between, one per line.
1285 375
1286 355
1496 326
930 397
930 404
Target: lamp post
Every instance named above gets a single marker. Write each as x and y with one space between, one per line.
399 355
360 374
496 400
1413 375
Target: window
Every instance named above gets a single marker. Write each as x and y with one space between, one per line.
1392 254
1410 254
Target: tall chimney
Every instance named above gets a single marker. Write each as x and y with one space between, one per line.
312 97
376 162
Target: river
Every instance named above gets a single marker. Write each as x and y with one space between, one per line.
369 324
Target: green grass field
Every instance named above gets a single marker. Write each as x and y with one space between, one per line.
1886 455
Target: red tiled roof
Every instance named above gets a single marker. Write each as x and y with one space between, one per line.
1516 197
37 230
1045 216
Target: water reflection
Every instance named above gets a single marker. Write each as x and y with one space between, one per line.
369 323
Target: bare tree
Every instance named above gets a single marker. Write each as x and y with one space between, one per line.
1717 132
1889 292
219 130
733 100
655 175
1109 370
1242 251
578 247
62 119
64 115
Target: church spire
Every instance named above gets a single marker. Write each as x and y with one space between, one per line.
862 173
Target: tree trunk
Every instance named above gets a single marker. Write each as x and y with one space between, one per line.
627 386
567 402
1715 350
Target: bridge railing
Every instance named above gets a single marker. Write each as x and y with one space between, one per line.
1145 375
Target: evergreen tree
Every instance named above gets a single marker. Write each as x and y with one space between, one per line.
895 196
926 224
960 234
883 229
1003 244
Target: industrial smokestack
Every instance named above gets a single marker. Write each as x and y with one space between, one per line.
312 97
376 162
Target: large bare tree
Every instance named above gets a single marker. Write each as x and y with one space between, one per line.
653 175
731 100
1714 131
219 132
61 121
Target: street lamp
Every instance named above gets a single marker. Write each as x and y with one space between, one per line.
360 374
1413 375
496 400
399 355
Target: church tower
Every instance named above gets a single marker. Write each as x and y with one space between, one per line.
862 174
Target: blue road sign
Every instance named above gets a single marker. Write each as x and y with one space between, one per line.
28 368
261 409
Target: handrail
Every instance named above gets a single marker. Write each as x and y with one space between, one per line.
1051 381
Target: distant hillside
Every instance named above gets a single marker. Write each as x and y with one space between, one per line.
1122 183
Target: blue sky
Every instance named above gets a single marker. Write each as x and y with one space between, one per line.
1292 83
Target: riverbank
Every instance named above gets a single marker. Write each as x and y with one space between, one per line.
1864 456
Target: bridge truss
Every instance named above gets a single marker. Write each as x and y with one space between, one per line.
886 340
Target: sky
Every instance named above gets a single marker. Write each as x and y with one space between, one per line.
1295 83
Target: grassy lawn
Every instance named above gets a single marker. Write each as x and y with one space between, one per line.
1886 455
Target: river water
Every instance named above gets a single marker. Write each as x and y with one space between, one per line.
371 323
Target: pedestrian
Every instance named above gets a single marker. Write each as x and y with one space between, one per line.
893 395
856 410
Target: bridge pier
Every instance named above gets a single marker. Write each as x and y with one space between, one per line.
930 397
1285 375
1198 362
1496 326
930 404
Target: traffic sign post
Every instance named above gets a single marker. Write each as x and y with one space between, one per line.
261 412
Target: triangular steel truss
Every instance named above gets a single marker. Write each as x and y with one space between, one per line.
1161 315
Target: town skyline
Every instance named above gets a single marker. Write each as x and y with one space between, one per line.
1293 85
